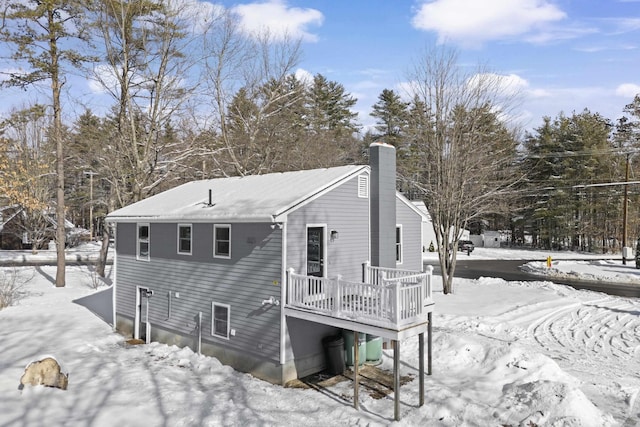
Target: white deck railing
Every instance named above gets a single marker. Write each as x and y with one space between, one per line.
393 298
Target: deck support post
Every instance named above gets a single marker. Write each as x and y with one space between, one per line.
356 362
421 366
396 380
429 316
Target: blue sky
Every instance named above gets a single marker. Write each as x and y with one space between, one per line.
564 55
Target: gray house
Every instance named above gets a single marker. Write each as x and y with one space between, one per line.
256 270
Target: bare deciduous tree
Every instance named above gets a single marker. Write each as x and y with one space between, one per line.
147 72
247 80
460 151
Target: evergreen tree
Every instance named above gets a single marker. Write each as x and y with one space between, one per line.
41 34
329 108
564 157
392 116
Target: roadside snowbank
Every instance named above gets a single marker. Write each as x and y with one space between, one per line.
597 270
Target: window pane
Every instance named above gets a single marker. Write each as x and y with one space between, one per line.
184 239
143 231
222 233
144 249
220 320
222 243
398 244
222 248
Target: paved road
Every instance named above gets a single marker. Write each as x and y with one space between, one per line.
510 270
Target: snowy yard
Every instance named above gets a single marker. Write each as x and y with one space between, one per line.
504 353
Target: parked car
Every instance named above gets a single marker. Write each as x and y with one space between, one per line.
465 246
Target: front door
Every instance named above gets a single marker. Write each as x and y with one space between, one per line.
315 251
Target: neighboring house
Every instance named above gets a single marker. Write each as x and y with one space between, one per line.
428 233
491 239
256 270
19 231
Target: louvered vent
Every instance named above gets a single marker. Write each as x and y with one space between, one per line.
363 186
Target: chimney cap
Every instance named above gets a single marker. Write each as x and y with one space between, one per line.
381 144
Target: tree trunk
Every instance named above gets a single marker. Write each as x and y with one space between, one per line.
447 267
57 134
104 250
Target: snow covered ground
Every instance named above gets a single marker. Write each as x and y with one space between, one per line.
505 353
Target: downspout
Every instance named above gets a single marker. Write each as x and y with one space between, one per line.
283 294
115 275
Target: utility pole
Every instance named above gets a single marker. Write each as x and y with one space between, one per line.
90 173
624 212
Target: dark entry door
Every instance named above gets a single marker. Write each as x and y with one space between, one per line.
315 251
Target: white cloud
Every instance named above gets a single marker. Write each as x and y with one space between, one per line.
280 20
199 14
474 22
304 76
103 80
628 90
625 25
539 93
560 33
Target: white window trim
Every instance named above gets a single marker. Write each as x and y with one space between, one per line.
190 239
215 227
400 243
363 186
138 240
213 319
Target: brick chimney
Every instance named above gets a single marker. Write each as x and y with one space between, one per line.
382 159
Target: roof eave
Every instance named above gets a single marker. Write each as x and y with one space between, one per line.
194 220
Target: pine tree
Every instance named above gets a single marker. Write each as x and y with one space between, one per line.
37 31
392 116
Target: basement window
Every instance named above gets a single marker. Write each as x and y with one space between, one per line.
142 242
220 320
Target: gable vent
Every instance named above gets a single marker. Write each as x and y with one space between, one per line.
363 186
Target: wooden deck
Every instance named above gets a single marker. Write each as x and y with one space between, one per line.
393 300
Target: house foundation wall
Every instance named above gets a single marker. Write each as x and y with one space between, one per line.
267 370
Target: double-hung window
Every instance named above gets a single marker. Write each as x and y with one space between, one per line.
184 239
142 242
221 241
220 320
399 244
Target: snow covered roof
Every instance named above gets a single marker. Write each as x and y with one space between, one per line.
419 204
254 198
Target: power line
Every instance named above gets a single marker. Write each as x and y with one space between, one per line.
565 154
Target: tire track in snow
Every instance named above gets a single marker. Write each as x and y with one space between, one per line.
606 329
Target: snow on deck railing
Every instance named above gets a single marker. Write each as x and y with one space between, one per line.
392 301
